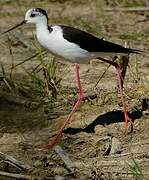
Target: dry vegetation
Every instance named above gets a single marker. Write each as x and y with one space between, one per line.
36 95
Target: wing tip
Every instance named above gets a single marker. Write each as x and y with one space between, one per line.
137 51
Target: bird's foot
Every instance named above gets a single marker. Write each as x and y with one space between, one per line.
127 120
51 143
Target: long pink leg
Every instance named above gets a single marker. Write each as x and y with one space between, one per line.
81 96
119 78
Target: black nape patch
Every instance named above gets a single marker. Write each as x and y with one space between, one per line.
50 29
42 11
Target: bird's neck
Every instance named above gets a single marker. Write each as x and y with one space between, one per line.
41 27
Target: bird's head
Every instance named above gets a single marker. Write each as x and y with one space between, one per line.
36 15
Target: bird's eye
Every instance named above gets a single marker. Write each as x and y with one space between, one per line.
32 15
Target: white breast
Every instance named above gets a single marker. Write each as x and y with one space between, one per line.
57 45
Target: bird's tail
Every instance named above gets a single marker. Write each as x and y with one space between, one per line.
136 51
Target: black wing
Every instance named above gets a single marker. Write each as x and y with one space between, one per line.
91 43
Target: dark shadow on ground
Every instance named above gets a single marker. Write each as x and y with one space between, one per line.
105 119
110 118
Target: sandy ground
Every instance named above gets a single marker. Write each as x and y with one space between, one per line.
95 140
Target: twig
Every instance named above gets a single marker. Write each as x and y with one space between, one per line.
28 59
7 84
11 54
123 62
65 158
19 176
14 162
128 9
113 59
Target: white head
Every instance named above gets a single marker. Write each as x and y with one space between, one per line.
36 15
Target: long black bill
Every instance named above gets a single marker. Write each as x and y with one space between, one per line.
20 24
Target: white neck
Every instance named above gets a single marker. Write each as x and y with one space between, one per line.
41 30
42 33
41 25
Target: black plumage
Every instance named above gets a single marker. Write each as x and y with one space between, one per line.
91 43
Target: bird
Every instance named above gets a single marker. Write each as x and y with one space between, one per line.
77 47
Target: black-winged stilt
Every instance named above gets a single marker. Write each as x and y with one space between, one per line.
75 46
